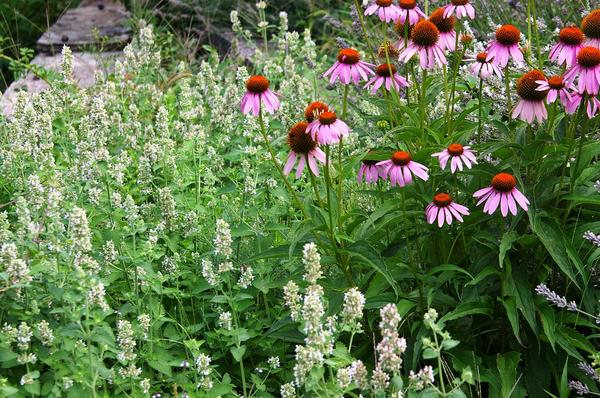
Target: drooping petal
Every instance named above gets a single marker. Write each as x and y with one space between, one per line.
289 165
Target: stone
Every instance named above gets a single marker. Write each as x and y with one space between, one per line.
85 66
99 25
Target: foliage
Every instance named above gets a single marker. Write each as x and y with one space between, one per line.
152 242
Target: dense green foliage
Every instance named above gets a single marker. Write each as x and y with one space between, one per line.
151 242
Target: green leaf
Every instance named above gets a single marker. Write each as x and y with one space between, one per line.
428 353
508 364
505 244
553 240
548 323
458 393
363 251
451 268
487 271
238 352
581 199
482 306
160 365
525 297
510 305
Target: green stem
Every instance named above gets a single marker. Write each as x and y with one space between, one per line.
89 345
316 189
553 111
423 100
571 140
439 360
537 35
328 190
243 376
263 131
454 78
480 110
364 29
340 164
507 89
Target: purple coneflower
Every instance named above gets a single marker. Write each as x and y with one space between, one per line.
400 169
384 78
483 68
304 147
503 193
327 128
445 26
402 29
462 8
505 46
590 25
592 104
570 41
258 92
531 105
384 9
409 11
349 68
425 42
443 209
369 171
556 87
314 109
586 70
457 155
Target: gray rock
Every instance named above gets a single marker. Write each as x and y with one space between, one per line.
85 66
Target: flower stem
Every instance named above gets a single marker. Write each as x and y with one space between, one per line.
507 89
340 148
313 182
364 29
423 98
571 139
263 131
439 360
454 77
480 111
537 35
328 189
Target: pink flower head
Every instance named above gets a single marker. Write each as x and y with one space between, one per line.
483 68
462 9
409 11
443 209
327 128
314 109
586 70
556 87
383 78
445 26
502 192
304 147
531 106
505 46
385 10
369 171
425 38
592 104
400 169
404 30
457 155
258 93
591 28
570 41
349 68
